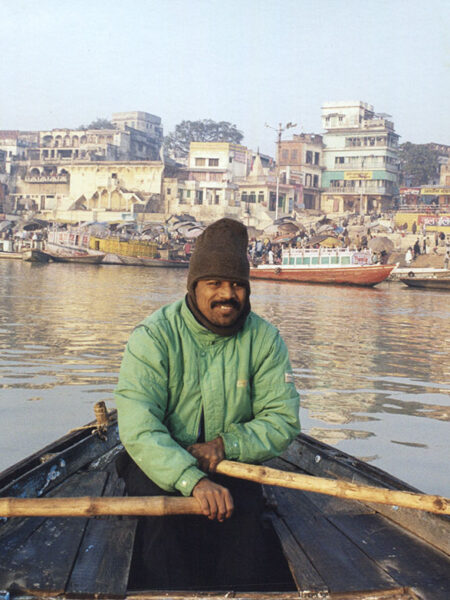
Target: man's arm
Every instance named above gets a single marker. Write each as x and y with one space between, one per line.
275 408
141 397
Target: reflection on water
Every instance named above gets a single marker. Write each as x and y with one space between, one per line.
372 365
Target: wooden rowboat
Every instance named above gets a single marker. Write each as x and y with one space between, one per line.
434 282
77 257
336 549
35 255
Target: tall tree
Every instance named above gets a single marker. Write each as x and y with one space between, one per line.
98 124
419 164
206 130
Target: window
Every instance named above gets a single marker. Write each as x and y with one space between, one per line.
252 197
339 160
261 197
200 162
309 157
188 193
285 154
213 162
316 158
168 191
315 181
293 154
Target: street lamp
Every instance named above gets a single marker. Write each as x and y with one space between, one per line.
279 131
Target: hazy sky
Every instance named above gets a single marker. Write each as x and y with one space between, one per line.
64 63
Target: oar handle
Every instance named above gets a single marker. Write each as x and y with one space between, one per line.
334 487
154 506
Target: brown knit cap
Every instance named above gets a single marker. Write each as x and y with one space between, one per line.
220 252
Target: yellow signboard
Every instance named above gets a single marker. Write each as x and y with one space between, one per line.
353 175
445 191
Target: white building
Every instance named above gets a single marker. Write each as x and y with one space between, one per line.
360 158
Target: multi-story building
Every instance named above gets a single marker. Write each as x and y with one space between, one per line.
215 166
258 193
145 131
41 163
360 159
300 164
225 179
14 146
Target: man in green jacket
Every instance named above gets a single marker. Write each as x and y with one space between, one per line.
204 379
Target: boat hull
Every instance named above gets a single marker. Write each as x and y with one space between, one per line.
34 255
14 255
144 261
433 283
90 558
367 275
90 259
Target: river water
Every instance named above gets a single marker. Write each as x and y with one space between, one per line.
372 365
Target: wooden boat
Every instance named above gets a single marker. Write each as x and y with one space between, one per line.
10 254
144 261
324 265
335 548
436 281
77 257
114 251
35 255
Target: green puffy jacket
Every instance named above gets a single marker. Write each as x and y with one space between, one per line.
174 368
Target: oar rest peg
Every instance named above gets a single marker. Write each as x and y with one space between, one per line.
101 416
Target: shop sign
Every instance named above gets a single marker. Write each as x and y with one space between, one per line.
444 191
434 220
354 175
409 191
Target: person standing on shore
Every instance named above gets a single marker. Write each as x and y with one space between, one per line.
204 379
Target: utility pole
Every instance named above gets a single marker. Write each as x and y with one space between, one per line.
279 131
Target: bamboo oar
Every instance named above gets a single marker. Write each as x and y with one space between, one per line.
163 505
92 507
332 487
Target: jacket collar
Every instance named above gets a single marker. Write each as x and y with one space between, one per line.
201 333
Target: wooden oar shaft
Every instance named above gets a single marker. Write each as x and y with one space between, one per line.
93 507
332 487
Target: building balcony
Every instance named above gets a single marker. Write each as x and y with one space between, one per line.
46 179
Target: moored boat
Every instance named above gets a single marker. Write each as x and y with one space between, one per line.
78 243
77 257
35 255
436 281
324 265
335 548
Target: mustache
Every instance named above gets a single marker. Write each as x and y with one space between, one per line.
231 302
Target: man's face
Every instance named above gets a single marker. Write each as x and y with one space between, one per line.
221 302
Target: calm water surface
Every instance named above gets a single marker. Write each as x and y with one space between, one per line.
372 365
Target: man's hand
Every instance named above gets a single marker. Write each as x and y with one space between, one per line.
208 454
216 501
